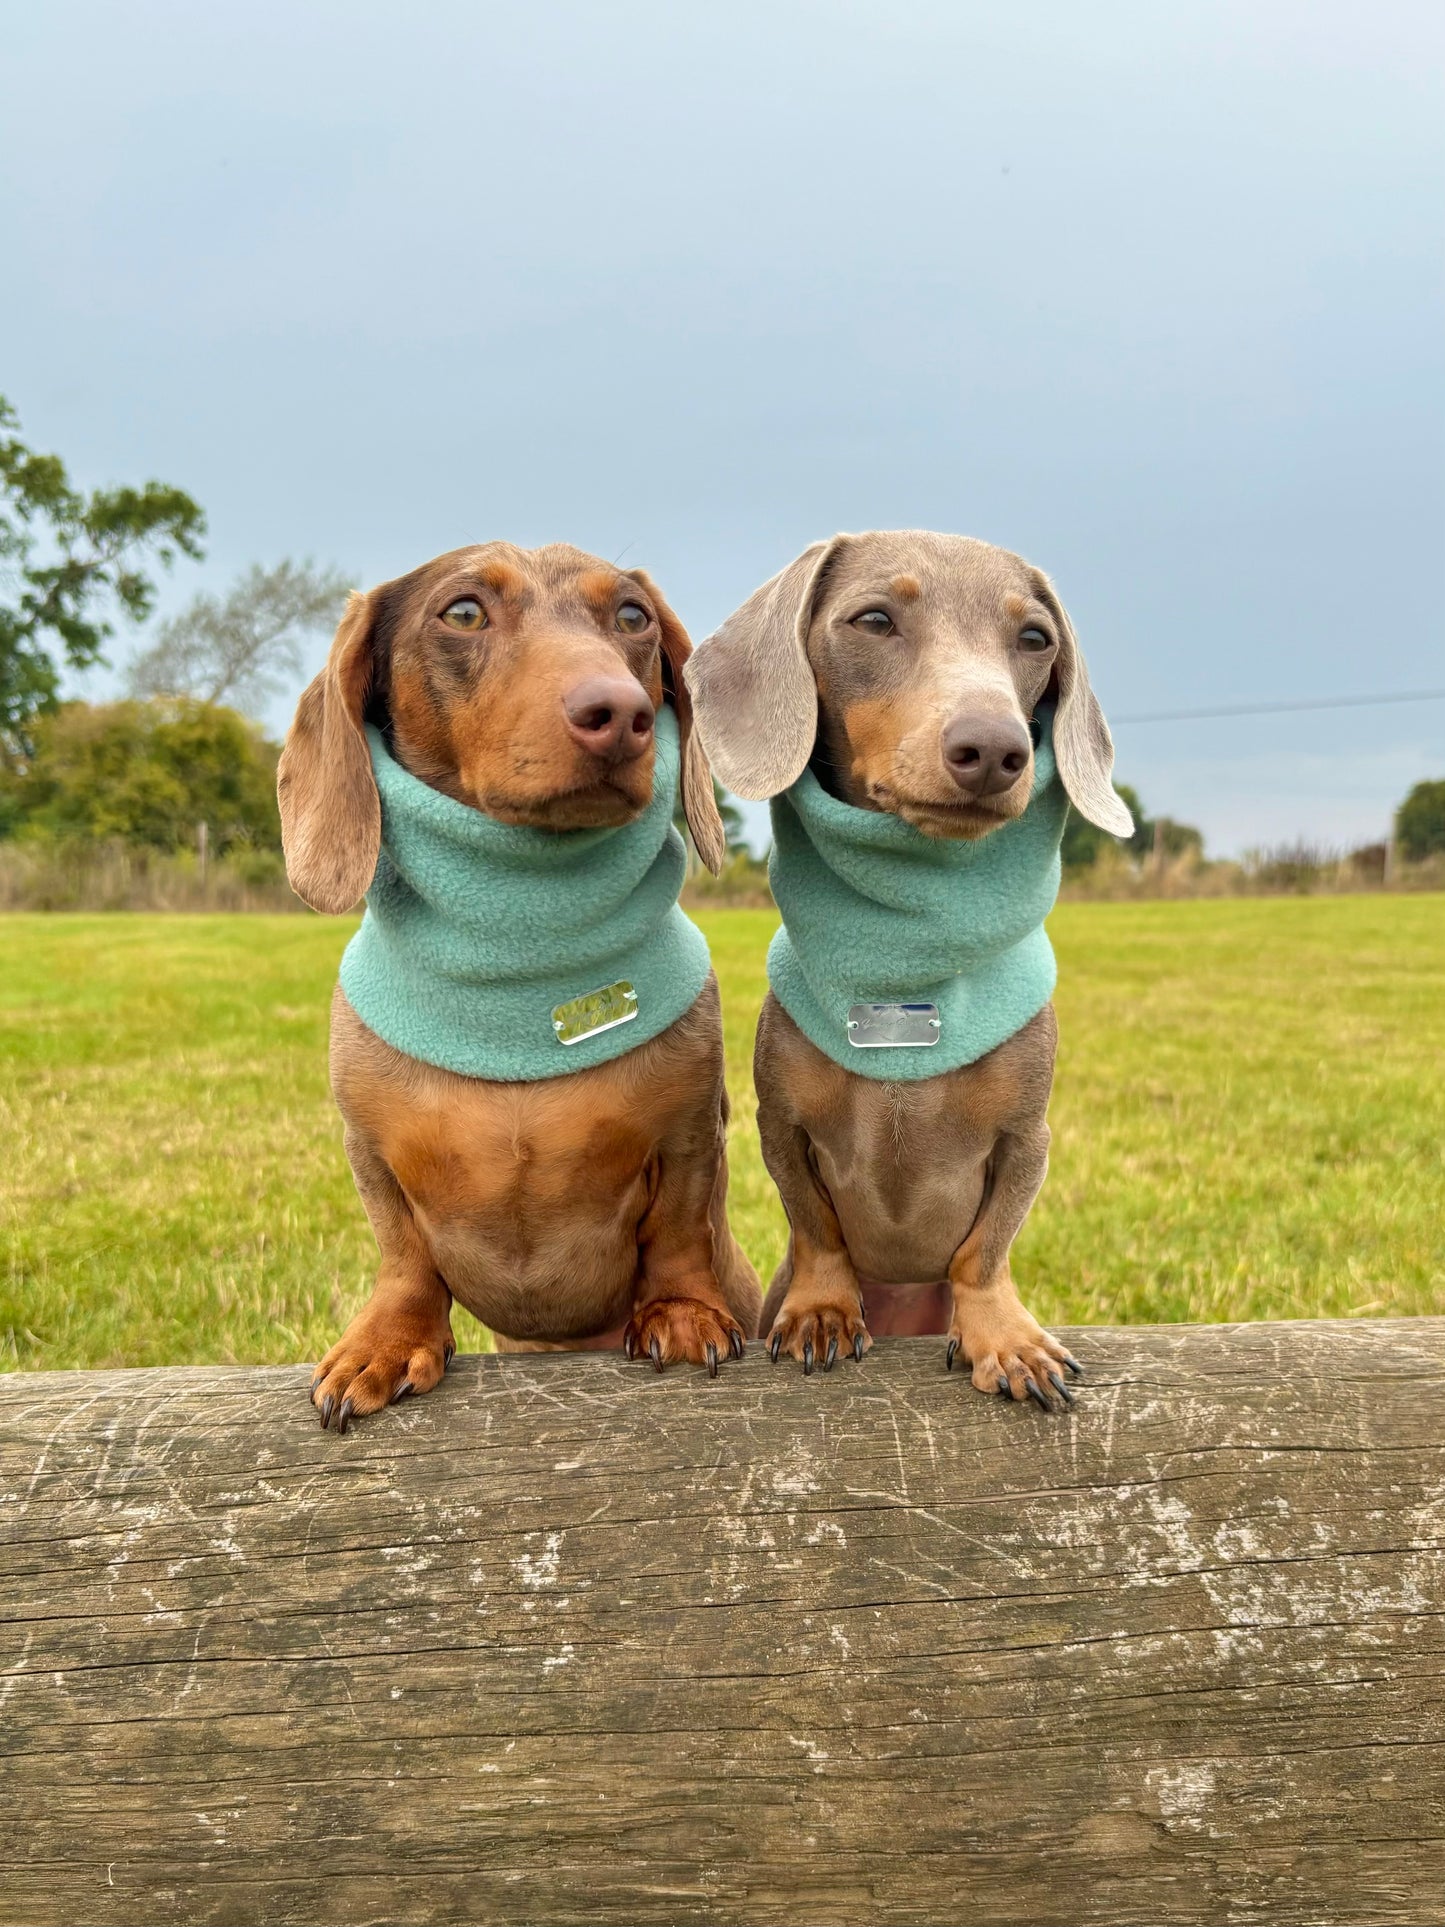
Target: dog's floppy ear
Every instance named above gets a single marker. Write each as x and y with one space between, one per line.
752 684
1083 747
699 805
330 810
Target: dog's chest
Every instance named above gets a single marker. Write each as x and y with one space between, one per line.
904 1167
519 1158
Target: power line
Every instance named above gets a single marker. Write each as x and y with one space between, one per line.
1277 709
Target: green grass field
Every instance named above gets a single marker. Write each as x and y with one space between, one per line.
1249 1122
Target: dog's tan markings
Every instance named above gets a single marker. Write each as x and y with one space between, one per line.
506 580
907 588
423 717
1000 1339
598 589
653 682
872 727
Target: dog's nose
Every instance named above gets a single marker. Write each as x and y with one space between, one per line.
610 716
985 755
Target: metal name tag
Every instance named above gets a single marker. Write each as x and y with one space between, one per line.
893 1026
593 1011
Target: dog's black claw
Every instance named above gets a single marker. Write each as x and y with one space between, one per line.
1036 1395
449 1352
807 1358
952 1353
654 1352
328 1406
712 1361
1062 1389
1005 1390
1076 1370
832 1357
735 1342
343 1417
629 1344
858 1348
402 1391
311 1392
776 1346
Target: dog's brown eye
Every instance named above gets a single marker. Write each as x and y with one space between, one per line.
465 613
1034 640
632 619
874 622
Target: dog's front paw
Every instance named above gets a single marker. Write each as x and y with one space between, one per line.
380 1357
815 1333
1011 1353
669 1329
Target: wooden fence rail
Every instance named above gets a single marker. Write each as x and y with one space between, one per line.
570 1642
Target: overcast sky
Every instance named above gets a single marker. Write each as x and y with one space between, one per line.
1150 292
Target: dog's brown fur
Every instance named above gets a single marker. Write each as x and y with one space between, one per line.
906 1196
573 1210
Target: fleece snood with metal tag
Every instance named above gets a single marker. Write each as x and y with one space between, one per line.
476 931
874 911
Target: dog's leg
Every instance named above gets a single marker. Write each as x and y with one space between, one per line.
679 1310
401 1340
1008 1349
821 1308
814 1308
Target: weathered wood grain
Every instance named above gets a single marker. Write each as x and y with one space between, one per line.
569 1642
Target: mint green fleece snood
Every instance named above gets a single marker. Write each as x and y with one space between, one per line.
875 912
477 931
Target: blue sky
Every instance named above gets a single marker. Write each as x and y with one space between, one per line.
1150 292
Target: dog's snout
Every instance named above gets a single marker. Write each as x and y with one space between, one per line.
610 716
985 755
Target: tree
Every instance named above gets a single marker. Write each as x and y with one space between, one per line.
1162 833
241 648
145 774
1420 822
67 561
1083 841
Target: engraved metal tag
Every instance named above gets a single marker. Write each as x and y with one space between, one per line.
594 1011
893 1026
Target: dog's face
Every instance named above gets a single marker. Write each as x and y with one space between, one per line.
523 683
906 666
929 654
